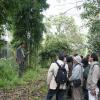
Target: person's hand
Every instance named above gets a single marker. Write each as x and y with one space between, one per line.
27 53
93 92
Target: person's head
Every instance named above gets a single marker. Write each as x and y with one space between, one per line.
87 57
81 56
77 59
93 57
85 62
69 59
61 56
75 54
23 44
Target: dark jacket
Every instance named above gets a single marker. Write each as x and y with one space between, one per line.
20 55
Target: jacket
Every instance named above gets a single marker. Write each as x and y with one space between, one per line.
52 72
77 72
20 55
93 76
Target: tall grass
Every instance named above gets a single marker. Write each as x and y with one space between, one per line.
9 74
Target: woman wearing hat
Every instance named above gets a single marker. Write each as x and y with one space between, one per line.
76 77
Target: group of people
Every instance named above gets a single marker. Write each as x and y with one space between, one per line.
83 74
81 79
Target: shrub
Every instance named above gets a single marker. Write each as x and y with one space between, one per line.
8 73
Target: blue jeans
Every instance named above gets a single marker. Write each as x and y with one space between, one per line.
59 94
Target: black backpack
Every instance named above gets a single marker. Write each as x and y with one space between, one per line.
98 83
61 76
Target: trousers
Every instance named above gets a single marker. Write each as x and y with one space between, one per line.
21 69
58 92
77 93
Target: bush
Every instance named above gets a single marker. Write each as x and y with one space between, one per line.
51 48
8 73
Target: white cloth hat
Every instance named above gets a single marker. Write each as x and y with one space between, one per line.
78 59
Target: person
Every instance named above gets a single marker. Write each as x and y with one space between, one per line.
21 58
69 60
86 67
53 87
81 57
76 78
93 77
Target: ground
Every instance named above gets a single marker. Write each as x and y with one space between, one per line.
31 91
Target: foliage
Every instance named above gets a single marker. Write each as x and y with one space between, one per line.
2 42
94 38
53 42
92 15
60 25
53 45
24 20
61 35
9 74
7 67
66 28
28 19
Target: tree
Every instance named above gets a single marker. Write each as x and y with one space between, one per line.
92 15
2 22
63 26
51 47
24 19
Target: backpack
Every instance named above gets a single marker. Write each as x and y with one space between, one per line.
61 76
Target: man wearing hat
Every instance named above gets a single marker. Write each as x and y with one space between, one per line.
76 77
52 72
